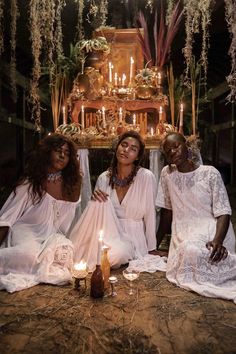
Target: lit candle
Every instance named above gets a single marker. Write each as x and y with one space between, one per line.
120 115
181 115
112 279
159 78
123 79
110 71
160 113
103 117
80 270
116 79
82 117
64 114
152 131
134 119
131 69
100 244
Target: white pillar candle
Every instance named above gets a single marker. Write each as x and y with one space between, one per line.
120 115
64 114
160 114
110 72
134 119
159 78
123 79
131 72
181 115
116 79
152 132
100 244
103 117
82 117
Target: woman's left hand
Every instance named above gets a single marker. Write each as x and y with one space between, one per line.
218 251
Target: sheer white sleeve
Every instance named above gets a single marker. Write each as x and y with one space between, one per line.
15 206
220 200
163 196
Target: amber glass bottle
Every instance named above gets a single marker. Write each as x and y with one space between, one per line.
97 283
105 265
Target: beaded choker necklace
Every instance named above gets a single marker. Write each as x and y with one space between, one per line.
53 177
123 182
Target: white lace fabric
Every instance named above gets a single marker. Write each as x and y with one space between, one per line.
197 198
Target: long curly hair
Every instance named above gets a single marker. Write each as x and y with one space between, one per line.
112 171
39 161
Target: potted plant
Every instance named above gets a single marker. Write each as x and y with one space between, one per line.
94 50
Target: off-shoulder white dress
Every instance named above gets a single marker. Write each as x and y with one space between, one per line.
129 227
197 198
36 249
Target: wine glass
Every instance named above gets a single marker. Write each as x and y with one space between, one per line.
131 275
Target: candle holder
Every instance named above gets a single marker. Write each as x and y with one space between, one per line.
113 280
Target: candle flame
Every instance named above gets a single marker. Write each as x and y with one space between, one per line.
80 266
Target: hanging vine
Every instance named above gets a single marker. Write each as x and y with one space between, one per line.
80 28
48 36
1 26
14 16
192 19
103 12
205 7
230 15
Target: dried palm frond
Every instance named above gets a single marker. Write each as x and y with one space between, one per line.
144 40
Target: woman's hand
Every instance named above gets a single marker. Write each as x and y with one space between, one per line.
99 196
218 251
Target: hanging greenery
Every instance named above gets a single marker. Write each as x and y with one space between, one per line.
103 12
80 28
230 15
1 26
192 19
49 21
14 15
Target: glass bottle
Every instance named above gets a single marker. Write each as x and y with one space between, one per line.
105 265
97 283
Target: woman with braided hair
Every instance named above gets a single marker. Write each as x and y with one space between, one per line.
123 206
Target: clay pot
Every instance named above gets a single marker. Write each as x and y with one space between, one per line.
95 59
145 92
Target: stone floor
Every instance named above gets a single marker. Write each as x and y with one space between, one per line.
159 319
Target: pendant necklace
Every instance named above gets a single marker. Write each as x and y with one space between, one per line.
53 177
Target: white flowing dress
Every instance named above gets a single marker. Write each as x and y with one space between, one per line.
129 227
196 199
36 249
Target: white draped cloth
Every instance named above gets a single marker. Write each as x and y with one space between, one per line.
197 198
128 227
36 249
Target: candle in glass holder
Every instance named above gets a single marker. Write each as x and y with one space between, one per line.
103 117
82 117
131 73
80 270
64 114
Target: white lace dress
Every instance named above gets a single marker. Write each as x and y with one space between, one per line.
36 249
197 198
128 227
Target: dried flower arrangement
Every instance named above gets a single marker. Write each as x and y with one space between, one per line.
95 44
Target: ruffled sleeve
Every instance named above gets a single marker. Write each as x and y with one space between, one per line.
15 206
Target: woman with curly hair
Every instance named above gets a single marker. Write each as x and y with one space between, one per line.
122 206
36 218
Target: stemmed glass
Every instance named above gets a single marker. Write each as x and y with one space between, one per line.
131 275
